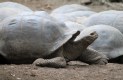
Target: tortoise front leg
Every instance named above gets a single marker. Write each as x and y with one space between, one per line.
56 62
92 56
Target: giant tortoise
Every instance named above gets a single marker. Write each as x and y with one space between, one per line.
109 42
73 16
8 9
44 42
14 5
112 17
74 25
70 8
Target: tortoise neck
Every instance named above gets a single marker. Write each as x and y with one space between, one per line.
72 50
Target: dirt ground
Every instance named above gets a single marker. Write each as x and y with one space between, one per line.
75 70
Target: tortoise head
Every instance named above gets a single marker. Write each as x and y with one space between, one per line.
83 39
77 44
90 38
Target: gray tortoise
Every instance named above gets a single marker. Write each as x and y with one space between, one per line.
74 25
109 42
44 42
8 9
14 5
111 17
73 16
70 8
43 14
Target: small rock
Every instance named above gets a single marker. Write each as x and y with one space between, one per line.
18 78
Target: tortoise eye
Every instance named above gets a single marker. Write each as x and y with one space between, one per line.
93 33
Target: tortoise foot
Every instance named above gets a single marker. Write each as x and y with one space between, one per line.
101 61
57 62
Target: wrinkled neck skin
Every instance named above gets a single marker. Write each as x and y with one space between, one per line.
57 53
72 50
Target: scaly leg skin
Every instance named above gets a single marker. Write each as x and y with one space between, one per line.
91 56
56 62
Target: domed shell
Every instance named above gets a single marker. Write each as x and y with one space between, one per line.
25 36
109 41
14 5
70 8
73 16
111 17
81 13
63 17
43 14
8 9
74 26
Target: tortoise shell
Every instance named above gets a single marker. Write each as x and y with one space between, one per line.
111 17
109 41
31 36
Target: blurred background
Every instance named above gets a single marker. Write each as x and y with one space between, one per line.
48 5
